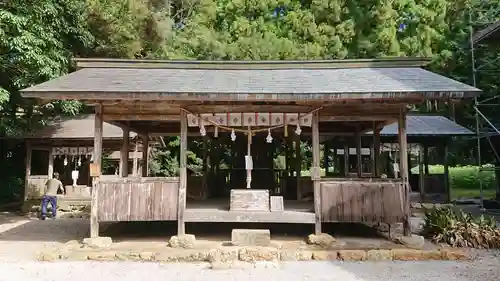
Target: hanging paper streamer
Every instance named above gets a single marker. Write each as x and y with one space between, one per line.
233 135
269 138
216 132
79 161
298 131
65 161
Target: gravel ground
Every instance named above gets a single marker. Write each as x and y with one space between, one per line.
291 271
21 239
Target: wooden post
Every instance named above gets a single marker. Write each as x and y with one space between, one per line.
28 169
145 155
376 151
446 171
135 168
426 159
94 223
346 158
124 155
181 227
421 178
204 185
50 170
315 172
403 168
298 164
326 161
359 156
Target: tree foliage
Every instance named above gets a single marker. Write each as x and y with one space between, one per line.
39 38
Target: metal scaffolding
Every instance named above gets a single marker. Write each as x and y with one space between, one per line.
475 38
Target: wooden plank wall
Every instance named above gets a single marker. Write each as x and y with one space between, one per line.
362 201
35 186
139 199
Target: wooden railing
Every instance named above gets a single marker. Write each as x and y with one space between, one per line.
358 200
137 199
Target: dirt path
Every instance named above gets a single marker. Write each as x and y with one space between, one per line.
23 238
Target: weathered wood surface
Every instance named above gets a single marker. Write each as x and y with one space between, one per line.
218 211
277 204
35 186
139 199
249 200
362 201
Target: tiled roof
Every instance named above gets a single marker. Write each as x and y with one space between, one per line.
75 127
305 83
427 125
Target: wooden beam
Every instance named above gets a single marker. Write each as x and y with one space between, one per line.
157 116
94 223
315 174
181 230
403 164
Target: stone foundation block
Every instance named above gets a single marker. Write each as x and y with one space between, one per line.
223 255
259 254
454 255
408 255
251 237
98 242
379 255
352 255
413 241
325 255
324 240
249 200
185 241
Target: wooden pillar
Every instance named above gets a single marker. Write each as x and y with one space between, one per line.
426 159
50 170
124 155
346 158
27 169
145 155
298 164
135 168
446 171
94 223
376 151
403 168
359 156
315 172
326 162
421 177
181 227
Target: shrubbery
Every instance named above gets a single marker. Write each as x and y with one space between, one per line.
460 229
465 177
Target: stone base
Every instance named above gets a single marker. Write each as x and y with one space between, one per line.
249 200
98 242
251 237
185 241
223 257
277 204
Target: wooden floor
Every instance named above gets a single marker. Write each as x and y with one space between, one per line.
218 211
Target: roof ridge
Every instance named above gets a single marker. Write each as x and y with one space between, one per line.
252 65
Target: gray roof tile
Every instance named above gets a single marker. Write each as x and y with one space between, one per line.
427 125
252 81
